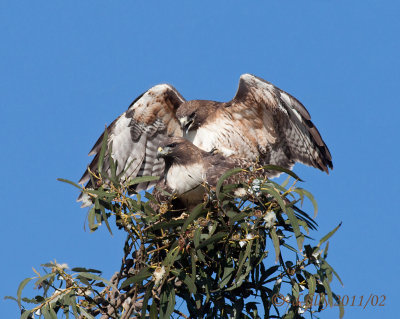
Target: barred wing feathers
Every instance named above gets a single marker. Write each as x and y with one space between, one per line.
280 126
135 135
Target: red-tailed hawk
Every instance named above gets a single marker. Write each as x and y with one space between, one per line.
190 170
260 124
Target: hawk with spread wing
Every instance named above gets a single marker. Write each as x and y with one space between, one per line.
261 124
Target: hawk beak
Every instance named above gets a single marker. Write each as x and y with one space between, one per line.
162 152
186 124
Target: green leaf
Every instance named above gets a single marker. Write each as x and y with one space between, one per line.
142 179
341 307
69 182
72 302
167 302
193 261
311 282
11 298
196 237
271 184
226 277
46 312
301 192
153 311
238 217
150 197
285 182
326 250
20 288
169 224
105 218
277 197
172 255
113 167
196 212
275 240
243 258
91 217
328 291
329 235
83 269
43 278
107 194
333 270
95 277
296 228
103 150
53 314
225 176
84 312
139 277
187 279
214 238
26 314
146 300
281 169
240 280
295 290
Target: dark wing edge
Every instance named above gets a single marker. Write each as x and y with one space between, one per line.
134 137
299 139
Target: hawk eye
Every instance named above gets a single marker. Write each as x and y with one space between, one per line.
191 116
171 145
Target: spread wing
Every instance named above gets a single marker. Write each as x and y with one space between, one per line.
134 136
276 126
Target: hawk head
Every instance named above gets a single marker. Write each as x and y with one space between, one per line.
177 150
193 114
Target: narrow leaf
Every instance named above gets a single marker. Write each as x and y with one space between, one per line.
139 277
69 182
82 269
277 197
196 212
328 291
281 169
87 315
41 279
333 270
143 179
146 300
226 277
26 314
91 217
20 288
105 218
11 298
329 235
103 151
296 228
275 240
341 307
309 196
311 282
72 303
225 176
214 238
95 277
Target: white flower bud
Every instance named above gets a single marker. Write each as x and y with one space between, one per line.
270 219
158 275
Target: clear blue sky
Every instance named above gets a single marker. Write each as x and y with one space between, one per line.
69 67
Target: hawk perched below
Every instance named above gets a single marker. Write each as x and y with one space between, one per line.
260 124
